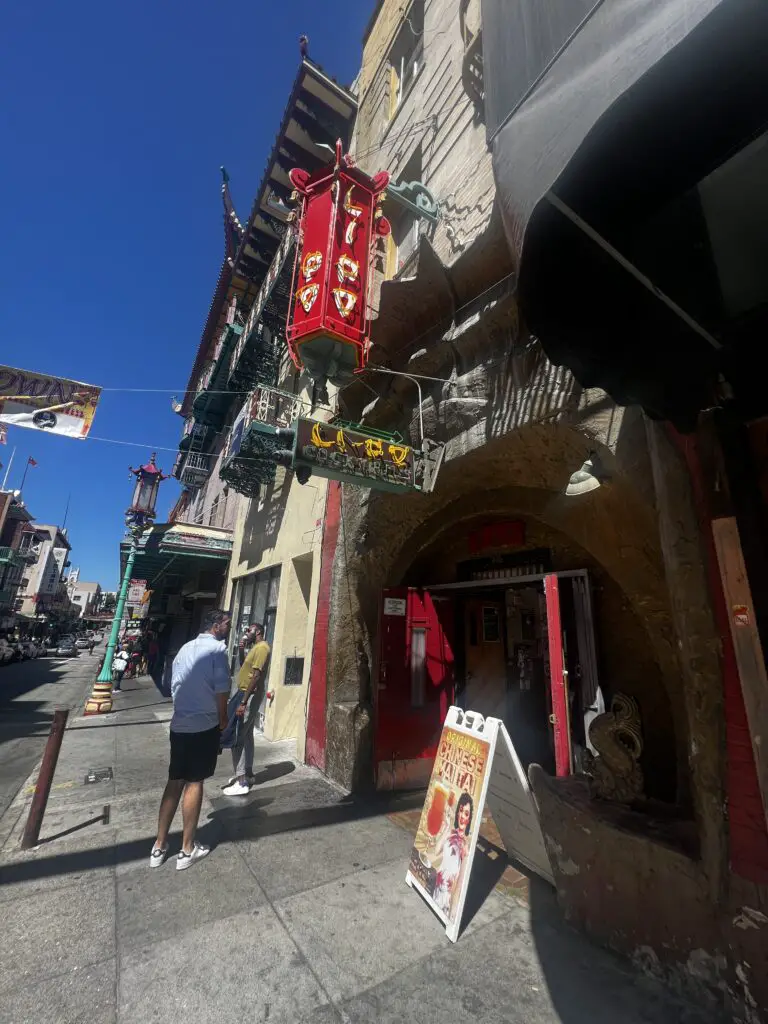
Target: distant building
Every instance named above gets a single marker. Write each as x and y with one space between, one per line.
85 597
14 516
41 593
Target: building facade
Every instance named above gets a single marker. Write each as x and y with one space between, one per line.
578 560
624 189
43 589
85 597
13 560
264 525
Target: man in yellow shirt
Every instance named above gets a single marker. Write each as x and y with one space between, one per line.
250 682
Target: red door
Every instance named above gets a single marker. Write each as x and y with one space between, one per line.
558 678
415 685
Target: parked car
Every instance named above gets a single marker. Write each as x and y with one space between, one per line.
19 653
30 648
66 649
6 652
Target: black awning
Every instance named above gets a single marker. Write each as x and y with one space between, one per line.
642 100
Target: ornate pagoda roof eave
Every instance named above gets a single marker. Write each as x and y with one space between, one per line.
233 276
306 67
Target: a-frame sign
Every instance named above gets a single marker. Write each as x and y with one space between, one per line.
476 765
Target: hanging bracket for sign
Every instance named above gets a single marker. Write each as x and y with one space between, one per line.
476 765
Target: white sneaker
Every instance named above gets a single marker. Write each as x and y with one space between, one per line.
237 789
234 778
186 860
157 857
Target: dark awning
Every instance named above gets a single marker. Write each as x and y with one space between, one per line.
617 108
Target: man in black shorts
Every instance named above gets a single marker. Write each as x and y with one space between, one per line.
200 687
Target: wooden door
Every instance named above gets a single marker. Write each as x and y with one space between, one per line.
415 685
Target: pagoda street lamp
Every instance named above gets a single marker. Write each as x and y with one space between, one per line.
138 517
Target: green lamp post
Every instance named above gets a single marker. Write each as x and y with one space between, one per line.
138 517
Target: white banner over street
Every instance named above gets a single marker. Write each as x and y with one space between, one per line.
42 402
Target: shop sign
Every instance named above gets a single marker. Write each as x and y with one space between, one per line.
394 605
354 456
741 615
136 590
476 764
195 540
339 220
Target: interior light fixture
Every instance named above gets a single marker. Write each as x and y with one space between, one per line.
588 478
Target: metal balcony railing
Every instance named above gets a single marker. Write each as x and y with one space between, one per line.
9 556
275 407
196 469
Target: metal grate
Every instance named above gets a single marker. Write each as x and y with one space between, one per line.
294 671
98 775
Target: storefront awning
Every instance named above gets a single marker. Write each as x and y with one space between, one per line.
616 109
187 548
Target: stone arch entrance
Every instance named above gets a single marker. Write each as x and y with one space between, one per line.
387 540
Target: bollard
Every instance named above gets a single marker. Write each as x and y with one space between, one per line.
44 779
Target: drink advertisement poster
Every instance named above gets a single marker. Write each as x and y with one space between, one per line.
444 847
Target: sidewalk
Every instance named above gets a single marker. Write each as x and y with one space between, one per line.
300 913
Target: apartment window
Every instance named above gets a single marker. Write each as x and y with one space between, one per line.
403 240
256 601
406 56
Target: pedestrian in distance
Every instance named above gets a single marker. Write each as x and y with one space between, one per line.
199 687
250 682
135 662
119 665
91 645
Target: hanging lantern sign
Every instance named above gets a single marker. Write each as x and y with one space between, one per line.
339 220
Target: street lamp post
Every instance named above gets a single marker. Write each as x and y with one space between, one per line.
138 517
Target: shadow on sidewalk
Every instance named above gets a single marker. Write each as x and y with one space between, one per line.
226 823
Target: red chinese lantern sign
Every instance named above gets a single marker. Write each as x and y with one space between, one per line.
339 221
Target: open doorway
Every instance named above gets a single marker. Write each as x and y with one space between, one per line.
519 648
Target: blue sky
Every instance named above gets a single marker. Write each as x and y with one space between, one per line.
115 120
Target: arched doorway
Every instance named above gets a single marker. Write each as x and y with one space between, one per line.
393 541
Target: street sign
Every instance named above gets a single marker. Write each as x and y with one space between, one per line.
136 590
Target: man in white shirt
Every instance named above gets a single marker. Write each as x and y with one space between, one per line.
200 688
119 665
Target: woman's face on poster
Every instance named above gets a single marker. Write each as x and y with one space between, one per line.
464 815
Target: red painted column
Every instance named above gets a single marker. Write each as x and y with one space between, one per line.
318 676
747 833
557 678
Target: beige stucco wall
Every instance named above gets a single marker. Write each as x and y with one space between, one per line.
283 528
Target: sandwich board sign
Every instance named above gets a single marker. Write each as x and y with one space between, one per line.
476 766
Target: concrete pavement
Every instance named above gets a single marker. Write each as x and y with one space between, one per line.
29 693
300 913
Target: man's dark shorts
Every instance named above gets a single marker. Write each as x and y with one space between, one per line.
194 755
